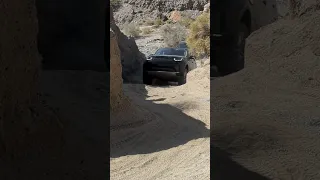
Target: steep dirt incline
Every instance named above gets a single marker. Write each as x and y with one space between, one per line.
267 116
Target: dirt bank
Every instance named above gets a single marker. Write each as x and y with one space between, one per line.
267 115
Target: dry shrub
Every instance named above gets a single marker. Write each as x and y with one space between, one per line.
158 22
169 21
146 30
185 21
149 22
198 39
131 29
115 4
172 34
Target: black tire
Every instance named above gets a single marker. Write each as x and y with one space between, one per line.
235 57
147 79
183 79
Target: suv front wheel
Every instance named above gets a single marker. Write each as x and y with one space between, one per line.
183 79
147 79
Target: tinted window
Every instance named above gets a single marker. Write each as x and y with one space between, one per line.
182 45
175 52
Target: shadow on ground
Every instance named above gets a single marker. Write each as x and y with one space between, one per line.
79 99
166 128
163 83
224 168
79 150
214 72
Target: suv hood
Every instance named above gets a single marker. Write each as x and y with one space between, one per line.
164 56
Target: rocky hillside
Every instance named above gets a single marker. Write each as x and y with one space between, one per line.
124 12
131 57
140 10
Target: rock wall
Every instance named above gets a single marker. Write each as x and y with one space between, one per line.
131 57
19 69
27 128
136 10
115 72
23 119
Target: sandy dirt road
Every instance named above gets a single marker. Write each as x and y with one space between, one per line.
164 132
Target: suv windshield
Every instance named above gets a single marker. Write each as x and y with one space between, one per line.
182 45
170 51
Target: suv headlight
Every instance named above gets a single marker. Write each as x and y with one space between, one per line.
177 59
149 58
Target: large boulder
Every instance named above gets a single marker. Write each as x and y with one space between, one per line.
131 57
175 16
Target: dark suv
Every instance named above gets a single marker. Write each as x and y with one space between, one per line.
233 21
168 64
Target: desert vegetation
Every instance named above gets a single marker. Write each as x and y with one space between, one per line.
172 34
131 29
198 38
186 21
115 4
146 30
158 22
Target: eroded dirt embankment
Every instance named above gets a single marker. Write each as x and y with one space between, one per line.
267 115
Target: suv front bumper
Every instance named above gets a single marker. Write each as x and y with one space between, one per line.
164 75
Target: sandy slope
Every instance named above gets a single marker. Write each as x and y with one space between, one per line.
77 100
267 116
164 132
